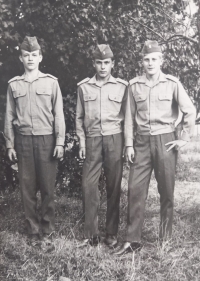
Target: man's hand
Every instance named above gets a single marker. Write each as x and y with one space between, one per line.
130 154
82 153
177 144
58 152
12 155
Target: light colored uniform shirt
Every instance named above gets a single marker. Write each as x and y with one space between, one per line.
34 108
153 110
100 110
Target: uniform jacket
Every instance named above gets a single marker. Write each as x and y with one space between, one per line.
153 110
34 108
100 110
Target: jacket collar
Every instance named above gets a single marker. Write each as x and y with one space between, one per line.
111 79
162 78
40 74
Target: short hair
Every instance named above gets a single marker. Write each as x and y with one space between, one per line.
112 59
40 51
160 55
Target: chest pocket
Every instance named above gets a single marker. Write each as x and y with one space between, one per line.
43 97
114 102
90 103
20 97
116 97
89 97
165 97
141 101
165 101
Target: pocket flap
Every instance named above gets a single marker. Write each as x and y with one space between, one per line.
165 97
139 98
44 91
89 97
17 94
116 97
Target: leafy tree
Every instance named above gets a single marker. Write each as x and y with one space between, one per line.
68 31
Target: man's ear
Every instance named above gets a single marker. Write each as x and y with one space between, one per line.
93 63
41 57
113 63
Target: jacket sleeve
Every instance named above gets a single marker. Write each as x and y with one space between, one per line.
59 120
189 113
129 121
80 113
10 116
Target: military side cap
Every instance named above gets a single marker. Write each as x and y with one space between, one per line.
151 47
30 44
103 52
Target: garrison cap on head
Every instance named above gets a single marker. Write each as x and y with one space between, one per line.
102 52
30 44
151 47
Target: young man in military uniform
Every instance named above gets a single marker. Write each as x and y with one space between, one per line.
35 133
151 112
99 127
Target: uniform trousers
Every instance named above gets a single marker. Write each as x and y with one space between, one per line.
151 154
37 171
101 151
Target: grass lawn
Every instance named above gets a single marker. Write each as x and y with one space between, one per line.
178 260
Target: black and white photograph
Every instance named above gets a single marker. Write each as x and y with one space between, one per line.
99 140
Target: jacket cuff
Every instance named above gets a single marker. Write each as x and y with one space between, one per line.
82 143
185 136
129 142
9 143
60 141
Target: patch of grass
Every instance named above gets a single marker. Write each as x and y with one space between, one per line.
177 260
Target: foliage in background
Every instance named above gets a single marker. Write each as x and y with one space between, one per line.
68 31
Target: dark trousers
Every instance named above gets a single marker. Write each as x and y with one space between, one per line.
151 153
37 171
107 151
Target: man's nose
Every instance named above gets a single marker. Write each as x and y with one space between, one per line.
150 62
30 58
102 65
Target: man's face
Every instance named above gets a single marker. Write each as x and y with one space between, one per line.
30 60
103 67
152 63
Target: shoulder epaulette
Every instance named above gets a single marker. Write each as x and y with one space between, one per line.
171 77
134 80
122 81
49 75
14 79
83 81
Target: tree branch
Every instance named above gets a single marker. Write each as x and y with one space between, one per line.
169 39
146 27
179 22
182 37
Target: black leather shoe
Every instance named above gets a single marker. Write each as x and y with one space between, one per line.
128 248
48 238
34 239
94 241
111 241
